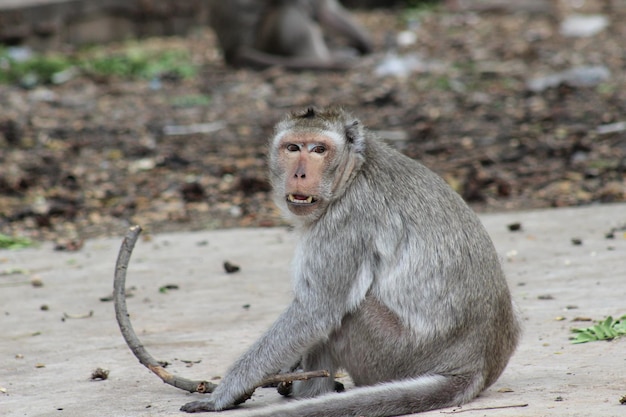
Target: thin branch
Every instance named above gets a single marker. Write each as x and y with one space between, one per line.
123 320
135 345
485 408
294 376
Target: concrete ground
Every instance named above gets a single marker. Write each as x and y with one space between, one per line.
46 360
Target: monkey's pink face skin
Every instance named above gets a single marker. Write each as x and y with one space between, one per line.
304 157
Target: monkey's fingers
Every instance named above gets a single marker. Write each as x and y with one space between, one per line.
199 406
123 320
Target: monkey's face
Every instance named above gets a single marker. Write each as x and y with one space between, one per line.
313 157
304 159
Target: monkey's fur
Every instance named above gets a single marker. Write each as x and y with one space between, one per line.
286 33
395 280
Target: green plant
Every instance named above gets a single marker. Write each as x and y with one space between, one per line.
137 62
415 9
39 68
10 242
134 60
191 100
605 330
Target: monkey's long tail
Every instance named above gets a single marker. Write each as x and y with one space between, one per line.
395 398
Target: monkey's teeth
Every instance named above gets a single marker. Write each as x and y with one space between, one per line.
292 199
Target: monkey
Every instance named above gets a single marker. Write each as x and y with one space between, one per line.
396 281
285 33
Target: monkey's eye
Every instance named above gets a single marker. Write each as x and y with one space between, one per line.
318 149
292 147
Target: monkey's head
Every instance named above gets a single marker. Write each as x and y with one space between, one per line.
313 157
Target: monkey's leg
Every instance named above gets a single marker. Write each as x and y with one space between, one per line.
318 357
333 15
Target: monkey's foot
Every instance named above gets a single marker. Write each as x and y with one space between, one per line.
199 406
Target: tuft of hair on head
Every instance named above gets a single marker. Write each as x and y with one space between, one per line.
310 113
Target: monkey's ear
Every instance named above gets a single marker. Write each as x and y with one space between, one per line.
355 136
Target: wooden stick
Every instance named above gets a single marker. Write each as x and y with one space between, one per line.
497 407
123 320
138 349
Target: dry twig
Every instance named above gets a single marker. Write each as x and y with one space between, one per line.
133 342
135 345
498 407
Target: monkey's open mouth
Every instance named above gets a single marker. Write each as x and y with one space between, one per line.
301 199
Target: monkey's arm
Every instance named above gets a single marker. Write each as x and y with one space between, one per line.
296 329
321 302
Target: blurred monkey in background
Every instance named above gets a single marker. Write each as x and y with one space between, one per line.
285 33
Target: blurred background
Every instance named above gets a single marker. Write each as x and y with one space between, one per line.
124 112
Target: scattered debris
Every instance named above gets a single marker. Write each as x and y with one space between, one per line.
72 245
611 128
77 316
583 26
100 374
189 363
167 287
404 65
515 227
230 268
545 297
611 233
36 281
577 241
585 76
192 129
193 192
70 170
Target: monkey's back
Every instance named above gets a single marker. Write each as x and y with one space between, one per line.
433 264
235 23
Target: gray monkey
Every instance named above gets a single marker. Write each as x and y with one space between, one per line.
286 33
395 280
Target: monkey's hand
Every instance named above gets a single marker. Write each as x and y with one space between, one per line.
199 406
208 404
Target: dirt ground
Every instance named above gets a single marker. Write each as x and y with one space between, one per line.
88 157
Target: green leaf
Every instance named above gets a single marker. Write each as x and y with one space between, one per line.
606 329
584 337
11 242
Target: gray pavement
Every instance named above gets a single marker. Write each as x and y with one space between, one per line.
46 362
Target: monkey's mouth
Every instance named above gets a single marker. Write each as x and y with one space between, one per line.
300 199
